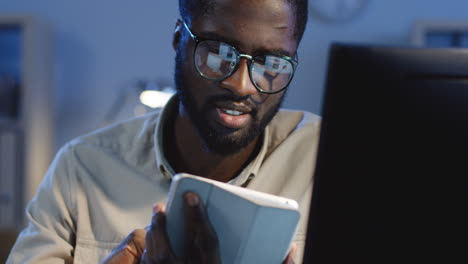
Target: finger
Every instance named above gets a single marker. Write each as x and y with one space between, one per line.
202 238
159 207
155 226
199 223
291 257
158 248
130 250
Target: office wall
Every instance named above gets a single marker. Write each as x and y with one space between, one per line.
102 47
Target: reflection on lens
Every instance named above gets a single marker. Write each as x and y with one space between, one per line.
271 73
215 60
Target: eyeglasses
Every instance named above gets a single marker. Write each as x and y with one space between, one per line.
216 60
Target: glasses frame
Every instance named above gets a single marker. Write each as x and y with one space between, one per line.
250 61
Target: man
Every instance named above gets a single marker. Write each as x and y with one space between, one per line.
234 61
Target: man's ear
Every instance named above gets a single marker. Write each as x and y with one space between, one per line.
177 32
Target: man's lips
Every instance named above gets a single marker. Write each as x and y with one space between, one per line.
232 118
233 106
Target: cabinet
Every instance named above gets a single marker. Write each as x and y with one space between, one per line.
26 113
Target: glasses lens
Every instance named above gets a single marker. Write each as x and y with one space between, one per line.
271 73
214 59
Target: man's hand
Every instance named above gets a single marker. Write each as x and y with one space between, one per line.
201 241
152 245
291 257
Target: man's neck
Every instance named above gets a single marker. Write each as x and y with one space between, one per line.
186 153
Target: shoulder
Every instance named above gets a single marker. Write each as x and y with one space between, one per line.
288 121
122 134
289 124
129 142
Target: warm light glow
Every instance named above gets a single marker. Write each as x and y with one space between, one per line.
154 99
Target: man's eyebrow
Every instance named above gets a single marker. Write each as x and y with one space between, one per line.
236 44
273 52
215 36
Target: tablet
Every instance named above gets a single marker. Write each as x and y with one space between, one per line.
252 227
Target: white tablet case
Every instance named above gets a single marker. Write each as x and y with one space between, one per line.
252 227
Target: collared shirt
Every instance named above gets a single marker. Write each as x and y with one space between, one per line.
102 186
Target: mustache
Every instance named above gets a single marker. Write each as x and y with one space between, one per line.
246 100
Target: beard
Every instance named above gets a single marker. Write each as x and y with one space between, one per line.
215 137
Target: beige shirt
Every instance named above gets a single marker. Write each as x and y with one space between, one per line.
102 186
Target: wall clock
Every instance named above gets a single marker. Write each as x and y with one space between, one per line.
336 11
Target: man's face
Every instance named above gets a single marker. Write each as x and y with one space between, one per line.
231 113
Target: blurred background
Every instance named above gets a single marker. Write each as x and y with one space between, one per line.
70 67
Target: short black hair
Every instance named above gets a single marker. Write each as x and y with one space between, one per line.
193 8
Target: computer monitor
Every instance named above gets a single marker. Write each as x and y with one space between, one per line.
391 179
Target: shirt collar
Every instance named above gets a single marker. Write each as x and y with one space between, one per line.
161 161
246 175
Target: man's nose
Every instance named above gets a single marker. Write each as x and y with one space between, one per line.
239 82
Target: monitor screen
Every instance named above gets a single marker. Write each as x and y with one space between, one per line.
391 179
